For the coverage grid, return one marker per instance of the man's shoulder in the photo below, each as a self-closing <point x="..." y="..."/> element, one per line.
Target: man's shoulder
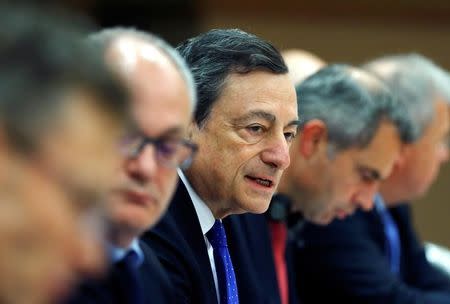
<point x="362" y="225"/>
<point x="179" y="245"/>
<point x="156" y="284"/>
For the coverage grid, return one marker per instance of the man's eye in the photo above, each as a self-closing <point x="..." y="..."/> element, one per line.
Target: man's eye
<point x="290" y="136"/>
<point x="167" y="148"/>
<point x="255" y="129"/>
<point x="367" y="177"/>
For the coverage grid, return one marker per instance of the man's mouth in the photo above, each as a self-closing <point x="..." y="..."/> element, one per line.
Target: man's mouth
<point x="138" y="198"/>
<point x="261" y="181"/>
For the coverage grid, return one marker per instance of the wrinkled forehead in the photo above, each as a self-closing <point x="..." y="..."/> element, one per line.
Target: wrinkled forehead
<point x="258" y="91"/>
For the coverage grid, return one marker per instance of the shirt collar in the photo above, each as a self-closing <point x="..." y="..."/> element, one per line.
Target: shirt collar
<point x="204" y="214"/>
<point x="118" y="253"/>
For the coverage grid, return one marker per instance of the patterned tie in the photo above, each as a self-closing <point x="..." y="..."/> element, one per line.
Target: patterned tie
<point x="279" y="238"/>
<point x="392" y="241"/>
<point x="129" y="278"/>
<point x="224" y="267"/>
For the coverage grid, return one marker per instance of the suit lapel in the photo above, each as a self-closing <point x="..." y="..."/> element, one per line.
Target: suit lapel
<point x="186" y="218"/>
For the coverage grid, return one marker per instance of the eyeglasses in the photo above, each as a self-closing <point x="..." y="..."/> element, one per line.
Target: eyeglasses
<point x="170" y="152"/>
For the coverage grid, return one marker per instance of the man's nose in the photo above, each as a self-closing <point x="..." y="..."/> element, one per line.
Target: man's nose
<point x="276" y="153"/>
<point x="144" y="166"/>
<point x="365" y="197"/>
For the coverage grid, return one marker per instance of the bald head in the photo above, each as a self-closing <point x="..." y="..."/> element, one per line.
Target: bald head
<point x="126" y="48"/>
<point x="301" y="64"/>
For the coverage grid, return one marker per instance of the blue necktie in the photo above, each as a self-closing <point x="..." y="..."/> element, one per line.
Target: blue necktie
<point x="224" y="266"/>
<point x="392" y="238"/>
<point x="129" y="278"/>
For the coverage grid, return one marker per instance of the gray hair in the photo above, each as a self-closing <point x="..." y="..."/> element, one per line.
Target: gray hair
<point x="416" y="82"/>
<point x="352" y="103"/>
<point x="218" y="53"/>
<point x="104" y="39"/>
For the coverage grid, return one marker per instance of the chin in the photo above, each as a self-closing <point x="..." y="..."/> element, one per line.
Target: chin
<point x="321" y="219"/>
<point x="257" y="207"/>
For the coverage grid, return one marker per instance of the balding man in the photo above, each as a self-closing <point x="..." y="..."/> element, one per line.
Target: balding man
<point x="162" y="102"/>
<point x="301" y="64"/>
<point x="376" y="256"/>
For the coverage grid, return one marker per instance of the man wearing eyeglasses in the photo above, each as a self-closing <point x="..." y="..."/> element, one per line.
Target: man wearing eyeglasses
<point x="162" y="102"/>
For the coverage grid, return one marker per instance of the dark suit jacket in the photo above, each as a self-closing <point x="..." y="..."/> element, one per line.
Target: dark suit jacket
<point x="155" y="284"/>
<point x="179" y="243"/>
<point x="249" y="242"/>
<point x="345" y="262"/>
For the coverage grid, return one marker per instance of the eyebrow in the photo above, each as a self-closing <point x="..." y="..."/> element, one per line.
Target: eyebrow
<point x="264" y="115"/>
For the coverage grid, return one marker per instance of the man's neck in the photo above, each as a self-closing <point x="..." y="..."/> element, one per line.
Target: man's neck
<point x="121" y="238"/>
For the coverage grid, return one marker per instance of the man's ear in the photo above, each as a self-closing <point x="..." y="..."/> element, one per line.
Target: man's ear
<point x="312" y="137"/>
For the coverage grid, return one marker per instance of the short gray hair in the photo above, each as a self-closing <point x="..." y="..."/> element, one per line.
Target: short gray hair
<point x="352" y="103"/>
<point x="104" y="39"/>
<point x="416" y="82"/>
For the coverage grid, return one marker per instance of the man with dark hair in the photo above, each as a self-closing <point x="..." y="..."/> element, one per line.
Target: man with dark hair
<point x="61" y="115"/>
<point x="162" y="102"/>
<point x="244" y="124"/>
<point x="376" y="257"/>
<point x="336" y="166"/>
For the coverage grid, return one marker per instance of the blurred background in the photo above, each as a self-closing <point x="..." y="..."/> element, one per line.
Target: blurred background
<point x="350" y="31"/>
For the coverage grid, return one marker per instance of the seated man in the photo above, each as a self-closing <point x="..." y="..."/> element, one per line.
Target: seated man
<point x="336" y="165"/>
<point x="61" y="114"/>
<point x="375" y="257"/>
<point x="162" y="102"/>
<point x="244" y="125"/>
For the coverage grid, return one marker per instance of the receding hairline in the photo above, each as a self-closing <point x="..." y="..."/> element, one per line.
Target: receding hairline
<point x="107" y="39"/>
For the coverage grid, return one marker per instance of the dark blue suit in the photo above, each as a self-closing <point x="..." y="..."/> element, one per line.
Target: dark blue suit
<point x="179" y="243"/>
<point x="249" y="241"/>
<point x="345" y="262"/>
<point x="153" y="279"/>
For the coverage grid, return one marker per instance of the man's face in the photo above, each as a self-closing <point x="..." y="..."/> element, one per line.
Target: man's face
<point x="243" y="144"/>
<point x="422" y="160"/>
<point x="162" y="110"/>
<point x="351" y="177"/>
<point x="57" y="193"/>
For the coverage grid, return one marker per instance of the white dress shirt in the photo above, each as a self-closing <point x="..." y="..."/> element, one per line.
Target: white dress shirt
<point x="206" y="219"/>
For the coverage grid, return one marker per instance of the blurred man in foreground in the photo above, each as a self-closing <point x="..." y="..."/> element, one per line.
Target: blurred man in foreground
<point x="61" y="115"/>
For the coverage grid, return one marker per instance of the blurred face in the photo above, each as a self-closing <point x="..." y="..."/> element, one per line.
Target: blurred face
<point x="349" y="179"/>
<point x="162" y="110"/>
<point x="54" y="199"/>
<point x="421" y="162"/>
<point x="243" y="145"/>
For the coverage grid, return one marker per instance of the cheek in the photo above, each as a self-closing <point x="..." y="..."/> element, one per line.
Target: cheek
<point x="345" y="191"/>
<point x="166" y="181"/>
